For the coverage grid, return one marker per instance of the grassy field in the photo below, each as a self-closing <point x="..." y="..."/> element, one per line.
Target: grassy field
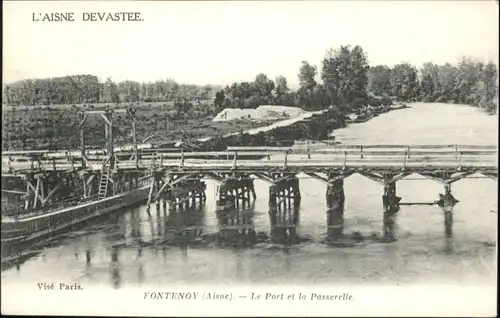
<point x="57" y="127"/>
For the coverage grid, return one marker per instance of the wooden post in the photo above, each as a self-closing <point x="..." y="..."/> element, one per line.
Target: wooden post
<point x="390" y="203"/>
<point x="26" y="197"/>
<point x="106" y="138"/>
<point x="296" y="193"/>
<point x="37" y="189"/>
<point x="151" y="193"/>
<point x="446" y="202"/>
<point x="335" y="199"/>
<point x="134" y="136"/>
<point x="252" y="190"/>
<point x="164" y="202"/>
<point x="82" y="142"/>
<point x="85" y="190"/>
<point x="111" y="145"/>
<point x="129" y="182"/>
<point x="158" y="187"/>
<point x="272" y="197"/>
<point x="42" y="188"/>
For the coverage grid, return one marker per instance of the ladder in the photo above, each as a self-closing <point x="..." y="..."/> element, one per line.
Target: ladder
<point x="152" y="163"/>
<point x="103" y="183"/>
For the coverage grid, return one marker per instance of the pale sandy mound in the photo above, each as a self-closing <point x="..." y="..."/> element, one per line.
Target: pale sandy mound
<point x="274" y="111"/>
<point x="262" y="112"/>
<point x="235" y="113"/>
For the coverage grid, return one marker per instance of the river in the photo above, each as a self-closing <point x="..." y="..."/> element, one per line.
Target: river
<point x="123" y="250"/>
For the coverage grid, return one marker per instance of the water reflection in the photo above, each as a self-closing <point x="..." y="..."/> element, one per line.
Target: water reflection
<point x="88" y="257"/>
<point x="449" y="247"/>
<point x="236" y="226"/>
<point x="284" y="224"/>
<point x="115" y="267"/>
<point x="183" y="226"/>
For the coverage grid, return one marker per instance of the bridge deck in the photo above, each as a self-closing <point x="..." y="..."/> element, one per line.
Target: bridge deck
<point x="367" y="157"/>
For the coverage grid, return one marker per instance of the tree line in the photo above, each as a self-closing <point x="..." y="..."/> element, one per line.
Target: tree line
<point x="345" y="79"/>
<point x="469" y="82"/>
<point x="87" y="89"/>
<point x="349" y="82"/>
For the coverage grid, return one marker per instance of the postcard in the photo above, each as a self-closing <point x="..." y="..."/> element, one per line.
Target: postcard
<point x="249" y="158"/>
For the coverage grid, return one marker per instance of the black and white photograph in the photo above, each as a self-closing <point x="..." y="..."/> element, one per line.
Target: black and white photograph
<point x="242" y="158"/>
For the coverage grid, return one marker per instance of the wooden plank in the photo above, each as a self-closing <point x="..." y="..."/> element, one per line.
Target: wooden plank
<point x="37" y="192"/>
<point x="114" y="110"/>
<point x="83" y="121"/>
<point x="14" y="192"/>
<point x="318" y="177"/>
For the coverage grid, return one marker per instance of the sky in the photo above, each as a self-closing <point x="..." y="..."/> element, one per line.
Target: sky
<point x="222" y="42"/>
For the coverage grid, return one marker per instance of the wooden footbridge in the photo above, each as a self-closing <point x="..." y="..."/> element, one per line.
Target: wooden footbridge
<point x="176" y="176"/>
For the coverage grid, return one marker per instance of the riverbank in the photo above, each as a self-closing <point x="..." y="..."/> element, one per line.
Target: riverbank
<point x="318" y="125"/>
<point x="55" y="129"/>
<point x="366" y="113"/>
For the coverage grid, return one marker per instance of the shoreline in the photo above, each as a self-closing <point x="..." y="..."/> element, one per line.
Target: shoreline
<point x="315" y="125"/>
<point x="318" y="125"/>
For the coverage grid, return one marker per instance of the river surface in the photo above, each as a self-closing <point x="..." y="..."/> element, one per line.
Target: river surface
<point x="134" y="248"/>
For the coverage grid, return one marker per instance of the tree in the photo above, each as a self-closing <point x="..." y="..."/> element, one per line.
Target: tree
<point x="206" y="91"/>
<point x="264" y="88"/>
<point x="429" y="82"/>
<point x="281" y="91"/>
<point x="404" y="81"/>
<point x="344" y="75"/>
<point x="379" y="80"/>
<point x="182" y="106"/>
<point x="219" y="99"/>
<point x="7" y="95"/>
<point x="110" y="91"/>
<point x="307" y="81"/>
<point x="468" y="75"/>
<point x="448" y="79"/>
<point x="490" y="79"/>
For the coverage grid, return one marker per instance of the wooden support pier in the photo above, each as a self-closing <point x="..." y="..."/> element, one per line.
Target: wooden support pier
<point x="284" y="192"/>
<point x="172" y="191"/>
<point x="447" y="202"/>
<point x="335" y="199"/>
<point x="235" y="189"/>
<point x="390" y="202"/>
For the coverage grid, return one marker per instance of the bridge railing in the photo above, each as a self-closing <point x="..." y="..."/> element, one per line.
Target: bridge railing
<point x="283" y="163"/>
<point x="352" y="154"/>
<point x="175" y="152"/>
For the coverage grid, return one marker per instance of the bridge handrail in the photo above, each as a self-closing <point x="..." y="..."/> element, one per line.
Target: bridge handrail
<point x="411" y="146"/>
<point x="374" y="153"/>
<point x="228" y="154"/>
<point x="282" y="164"/>
<point x="326" y="144"/>
<point x="253" y="148"/>
<point x="312" y="156"/>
